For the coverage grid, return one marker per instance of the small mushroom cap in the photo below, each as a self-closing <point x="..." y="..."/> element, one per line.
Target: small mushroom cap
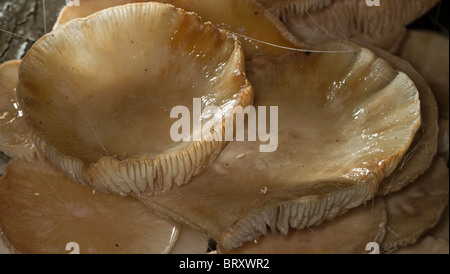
<point x="426" y="245"/>
<point x="382" y="26"/>
<point x="428" y="53"/>
<point x="106" y="118"/>
<point x="416" y="208"/>
<point x="347" y="234"/>
<point x="343" y="103"/>
<point x="42" y="210"/>
<point x="15" y="139"/>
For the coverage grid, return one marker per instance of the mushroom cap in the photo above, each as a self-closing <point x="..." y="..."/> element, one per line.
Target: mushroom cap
<point x="97" y="93"/>
<point x="382" y="26"/>
<point x="42" y="209"/>
<point x="246" y="18"/>
<point x="366" y="224"/>
<point x="345" y="120"/>
<point x="416" y="208"/>
<point x="422" y="151"/>
<point x="249" y="20"/>
<point x="15" y="139"/>
<point x="428" y="53"/>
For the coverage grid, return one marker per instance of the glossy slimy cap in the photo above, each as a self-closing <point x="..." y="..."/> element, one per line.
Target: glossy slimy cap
<point x="97" y="93"/>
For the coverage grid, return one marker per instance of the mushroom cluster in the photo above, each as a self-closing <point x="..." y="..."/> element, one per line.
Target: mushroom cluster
<point x="354" y="111"/>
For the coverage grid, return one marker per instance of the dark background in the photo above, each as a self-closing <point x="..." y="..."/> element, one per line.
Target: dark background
<point x="436" y="19"/>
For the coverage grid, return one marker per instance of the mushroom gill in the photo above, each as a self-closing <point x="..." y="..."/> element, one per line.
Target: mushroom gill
<point x="98" y="92"/>
<point x="342" y="128"/>
<point x="416" y="208"/>
<point x="383" y="26"/>
<point x="15" y="139"/>
<point x="42" y="210"/>
<point x="365" y="224"/>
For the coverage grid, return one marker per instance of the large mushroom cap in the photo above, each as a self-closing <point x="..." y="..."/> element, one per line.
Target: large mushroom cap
<point x="42" y="210"/>
<point x="98" y="94"/>
<point x="15" y="139"/>
<point x="345" y="120"/>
